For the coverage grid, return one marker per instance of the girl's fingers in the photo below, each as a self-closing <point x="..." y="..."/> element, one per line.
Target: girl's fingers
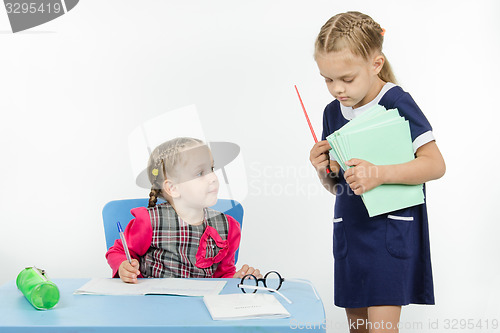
<point x="129" y="280"/>
<point x="135" y="266"/>
<point x="244" y="270"/>
<point x="357" y="188"/>
<point x="129" y="273"/>
<point x="320" y="148"/>
<point x="320" y="162"/>
<point x="128" y="277"/>
<point x="349" y="178"/>
<point x="255" y="272"/>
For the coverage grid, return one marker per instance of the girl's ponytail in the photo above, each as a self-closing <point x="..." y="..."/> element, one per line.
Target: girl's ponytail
<point x="386" y="74"/>
<point x="153" y="197"/>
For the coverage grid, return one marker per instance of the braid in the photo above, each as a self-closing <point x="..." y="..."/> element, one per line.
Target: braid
<point x="347" y="31"/>
<point x="365" y="24"/>
<point x="153" y="197"/>
<point x="358" y="33"/>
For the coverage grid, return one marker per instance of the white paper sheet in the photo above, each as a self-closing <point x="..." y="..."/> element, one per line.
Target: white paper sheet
<point x="244" y="306"/>
<point x="169" y="286"/>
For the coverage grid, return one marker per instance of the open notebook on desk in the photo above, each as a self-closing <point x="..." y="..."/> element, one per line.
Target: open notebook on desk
<point x="167" y="286"/>
<point x="381" y="137"/>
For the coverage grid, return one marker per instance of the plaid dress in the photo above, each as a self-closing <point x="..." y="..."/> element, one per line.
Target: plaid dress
<point x="181" y="250"/>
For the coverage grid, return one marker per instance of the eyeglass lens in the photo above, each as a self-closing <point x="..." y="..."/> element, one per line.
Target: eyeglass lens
<point x="272" y="280"/>
<point x="249" y="280"/>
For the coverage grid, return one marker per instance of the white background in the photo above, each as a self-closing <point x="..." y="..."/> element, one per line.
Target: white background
<point x="73" y="89"/>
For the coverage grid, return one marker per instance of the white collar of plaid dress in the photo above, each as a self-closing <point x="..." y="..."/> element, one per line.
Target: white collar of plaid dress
<point x="201" y="260"/>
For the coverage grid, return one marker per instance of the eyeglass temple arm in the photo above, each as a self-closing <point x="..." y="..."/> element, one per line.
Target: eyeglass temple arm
<point x="264" y="288"/>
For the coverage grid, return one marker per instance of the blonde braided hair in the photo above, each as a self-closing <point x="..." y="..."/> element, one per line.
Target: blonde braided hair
<point x="162" y="164"/>
<point x="357" y="32"/>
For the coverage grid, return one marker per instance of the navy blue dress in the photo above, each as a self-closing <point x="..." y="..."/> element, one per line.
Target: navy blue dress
<point x="385" y="259"/>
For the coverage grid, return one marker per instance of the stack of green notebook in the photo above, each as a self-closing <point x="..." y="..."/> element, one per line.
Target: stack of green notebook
<point x="381" y="137"/>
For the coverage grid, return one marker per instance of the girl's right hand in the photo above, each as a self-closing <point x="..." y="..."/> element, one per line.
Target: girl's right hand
<point x="319" y="156"/>
<point x="129" y="273"/>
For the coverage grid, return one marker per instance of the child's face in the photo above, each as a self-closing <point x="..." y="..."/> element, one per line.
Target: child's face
<point x="196" y="181"/>
<point x="350" y="78"/>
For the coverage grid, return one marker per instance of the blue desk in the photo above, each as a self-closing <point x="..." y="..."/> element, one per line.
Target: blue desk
<point x="88" y="313"/>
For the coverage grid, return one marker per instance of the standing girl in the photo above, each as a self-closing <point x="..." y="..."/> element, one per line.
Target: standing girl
<point x="382" y="262"/>
<point x="180" y="238"/>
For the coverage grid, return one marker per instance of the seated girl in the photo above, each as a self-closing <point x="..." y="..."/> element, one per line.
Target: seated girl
<point x="181" y="237"/>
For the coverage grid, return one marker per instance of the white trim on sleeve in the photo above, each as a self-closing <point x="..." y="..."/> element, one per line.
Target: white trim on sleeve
<point x="422" y="139"/>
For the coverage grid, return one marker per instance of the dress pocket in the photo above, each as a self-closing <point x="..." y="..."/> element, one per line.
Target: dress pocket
<point x="398" y="236"/>
<point x="339" y="240"/>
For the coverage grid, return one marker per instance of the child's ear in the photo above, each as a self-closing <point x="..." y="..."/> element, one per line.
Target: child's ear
<point x="170" y="189"/>
<point x="378" y="63"/>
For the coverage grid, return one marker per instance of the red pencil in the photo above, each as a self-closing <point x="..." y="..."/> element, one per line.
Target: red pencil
<point x="310" y="126"/>
<point x="307" y="117"/>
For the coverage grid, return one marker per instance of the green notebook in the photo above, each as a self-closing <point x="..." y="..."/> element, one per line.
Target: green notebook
<point x="382" y="138"/>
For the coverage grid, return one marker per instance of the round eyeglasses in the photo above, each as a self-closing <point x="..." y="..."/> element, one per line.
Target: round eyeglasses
<point x="272" y="280"/>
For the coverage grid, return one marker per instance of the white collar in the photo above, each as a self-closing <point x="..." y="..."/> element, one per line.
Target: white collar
<point x="349" y="113"/>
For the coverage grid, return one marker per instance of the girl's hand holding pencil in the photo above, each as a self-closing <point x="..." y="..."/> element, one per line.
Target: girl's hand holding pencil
<point x="319" y="157"/>
<point x="327" y="170"/>
<point x="129" y="272"/>
<point x="327" y="167"/>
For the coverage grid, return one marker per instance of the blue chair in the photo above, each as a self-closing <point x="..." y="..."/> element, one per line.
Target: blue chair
<point x="119" y="210"/>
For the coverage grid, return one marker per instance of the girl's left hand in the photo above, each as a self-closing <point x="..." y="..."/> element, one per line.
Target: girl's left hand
<point x="245" y="270"/>
<point x="363" y="176"/>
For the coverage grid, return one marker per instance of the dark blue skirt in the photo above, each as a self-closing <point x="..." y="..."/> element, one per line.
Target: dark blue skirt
<point x="380" y="260"/>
